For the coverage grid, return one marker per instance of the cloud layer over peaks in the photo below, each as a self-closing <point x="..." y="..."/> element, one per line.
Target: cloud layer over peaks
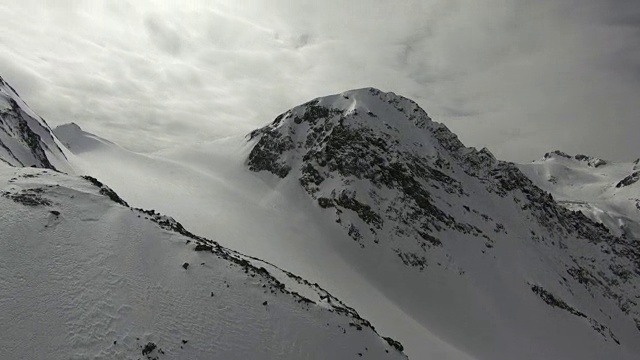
<point x="520" y="77"/>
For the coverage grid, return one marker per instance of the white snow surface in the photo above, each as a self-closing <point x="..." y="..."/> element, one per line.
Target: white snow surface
<point x="595" y="191"/>
<point x="84" y="277"/>
<point x="473" y="301"/>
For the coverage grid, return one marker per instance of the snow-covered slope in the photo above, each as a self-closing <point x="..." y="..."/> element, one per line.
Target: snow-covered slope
<point x="452" y="252"/>
<point x="82" y="275"/>
<point x="25" y="138"/>
<point x="605" y="191"/>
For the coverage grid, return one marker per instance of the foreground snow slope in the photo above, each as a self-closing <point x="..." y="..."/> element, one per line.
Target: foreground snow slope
<point x="454" y="253"/>
<point x="605" y="191"/>
<point x="82" y="275"/>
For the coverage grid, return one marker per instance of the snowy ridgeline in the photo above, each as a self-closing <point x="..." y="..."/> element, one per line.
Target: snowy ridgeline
<point x="82" y="275"/>
<point x="456" y="254"/>
<point x="25" y="138"/>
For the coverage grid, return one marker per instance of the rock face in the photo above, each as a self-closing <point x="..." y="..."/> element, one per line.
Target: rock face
<point x="357" y="150"/>
<point x="25" y="138"/>
<point x="406" y="190"/>
<point x="629" y="180"/>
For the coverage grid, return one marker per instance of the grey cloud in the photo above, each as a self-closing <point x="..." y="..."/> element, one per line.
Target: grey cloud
<point x="520" y="77"/>
<point x="165" y="38"/>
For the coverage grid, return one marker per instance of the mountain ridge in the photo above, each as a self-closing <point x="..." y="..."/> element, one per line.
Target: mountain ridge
<point x="468" y="247"/>
<point x="25" y="138"/>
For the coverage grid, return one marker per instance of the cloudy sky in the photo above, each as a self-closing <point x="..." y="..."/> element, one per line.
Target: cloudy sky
<point x="520" y="77"/>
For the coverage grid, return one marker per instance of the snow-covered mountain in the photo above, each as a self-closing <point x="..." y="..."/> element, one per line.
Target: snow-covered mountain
<point x="84" y="275"/>
<point x="454" y="253"/>
<point x="605" y="191"/>
<point x="408" y="192"/>
<point x="25" y="138"/>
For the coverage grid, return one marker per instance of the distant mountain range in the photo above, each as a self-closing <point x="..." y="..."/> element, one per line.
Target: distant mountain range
<point x="452" y="252"/>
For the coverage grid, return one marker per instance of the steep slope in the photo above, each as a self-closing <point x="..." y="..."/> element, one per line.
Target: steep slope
<point x="82" y="275"/>
<point x="484" y="250"/>
<point x="25" y="138"/>
<point x="452" y="252"/>
<point x="604" y="191"/>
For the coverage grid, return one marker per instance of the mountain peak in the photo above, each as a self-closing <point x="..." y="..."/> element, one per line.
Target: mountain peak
<point x="590" y="161"/>
<point x="366" y="105"/>
<point x="337" y="130"/>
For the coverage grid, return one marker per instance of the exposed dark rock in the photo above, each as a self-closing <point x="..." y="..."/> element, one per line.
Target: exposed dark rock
<point x="629" y="180"/>
<point x="554" y="301"/>
<point x="28" y="197"/>
<point x="148" y="348"/>
<point x="27" y="132"/>
<point x="203" y="247"/>
<point x="591" y="161"/>
<point x="106" y="191"/>
<point x="557" y="153"/>
<point x="394" y="343"/>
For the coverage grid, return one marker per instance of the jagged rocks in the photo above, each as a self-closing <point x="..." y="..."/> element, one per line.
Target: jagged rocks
<point x="395" y="344"/>
<point x="629" y="180"/>
<point x="557" y="153"/>
<point x="106" y="191"/>
<point x="591" y="161"/>
<point x="25" y="138"/>
<point x="554" y="301"/>
<point x="265" y="155"/>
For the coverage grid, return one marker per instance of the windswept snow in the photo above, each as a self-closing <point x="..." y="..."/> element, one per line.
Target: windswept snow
<point x="82" y="276"/>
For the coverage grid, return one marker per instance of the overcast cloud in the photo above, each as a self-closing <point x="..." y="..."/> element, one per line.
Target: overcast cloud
<point x="520" y="77"/>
